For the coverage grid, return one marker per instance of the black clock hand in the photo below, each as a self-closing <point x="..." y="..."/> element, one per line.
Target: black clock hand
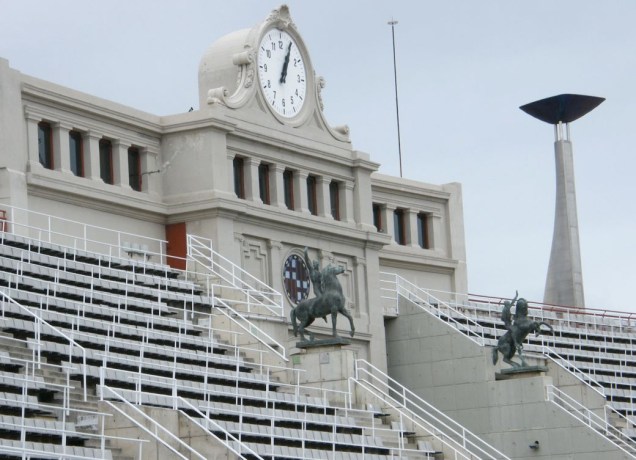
<point x="283" y="75"/>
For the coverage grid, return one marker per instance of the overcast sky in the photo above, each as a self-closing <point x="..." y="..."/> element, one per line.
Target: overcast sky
<point x="464" y="68"/>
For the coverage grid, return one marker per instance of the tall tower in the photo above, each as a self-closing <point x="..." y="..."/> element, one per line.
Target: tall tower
<point x="564" y="283"/>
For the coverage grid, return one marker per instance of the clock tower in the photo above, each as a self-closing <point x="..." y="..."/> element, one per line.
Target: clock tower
<point x="265" y="73"/>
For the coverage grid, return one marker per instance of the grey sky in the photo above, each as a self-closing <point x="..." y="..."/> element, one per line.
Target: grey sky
<point x="464" y="68"/>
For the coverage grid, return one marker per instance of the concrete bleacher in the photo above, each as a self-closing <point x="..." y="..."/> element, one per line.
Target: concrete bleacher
<point x="117" y="323"/>
<point x="598" y="344"/>
<point x="596" y="349"/>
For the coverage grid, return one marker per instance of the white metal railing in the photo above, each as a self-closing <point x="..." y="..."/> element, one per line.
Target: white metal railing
<point x="78" y="235"/>
<point x="273" y="392"/>
<point x="613" y="327"/>
<point x="157" y="432"/>
<point x="61" y="426"/>
<point x="39" y="325"/>
<point x="205" y="426"/>
<point x="258" y="294"/>
<point x="233" y="433"/>
<point x="123" y="304"/>
<point x="578" y="321"/>
<point x="248" y="326"/>
<point x="591" y="419"/>
<point x="73" y="236"/>
<point x="463" y="442"/>
<point x="394" y="286"/>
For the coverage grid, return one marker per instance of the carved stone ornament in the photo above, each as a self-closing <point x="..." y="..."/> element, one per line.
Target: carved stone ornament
<point x="217" y="95"/>
<point x="342" y="129"/>
<point x="245" y="61"/>
<point x="320" y="84"/>
<point x="281" y="17"/>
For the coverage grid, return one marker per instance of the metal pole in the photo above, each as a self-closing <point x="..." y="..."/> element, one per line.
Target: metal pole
<point x="392" y="23"/>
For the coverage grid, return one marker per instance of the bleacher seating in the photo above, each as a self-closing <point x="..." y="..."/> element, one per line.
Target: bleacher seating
<point x="601" y="345"/>
<point x="111" y="322"/>
<point x="597" y="347"/>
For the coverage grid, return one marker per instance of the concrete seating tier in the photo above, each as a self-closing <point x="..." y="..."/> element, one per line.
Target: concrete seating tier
<point x="28" y="419"/>
<point x="78" y="255"/>
<point x="262" y="427"/>
<point x="119" y="313"/>
<point x="602" y="347"/>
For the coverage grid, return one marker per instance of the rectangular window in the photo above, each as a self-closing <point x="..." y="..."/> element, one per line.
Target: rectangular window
<point x="77" y="153"/>
<point x="334" y="198"/>
<point x="377" y="217"/>
<point x="45" y="145"/>
<point x="288" y="185"/>
<point x="263" y="182"/>
<point x="134" y="168"/>
<point x="106" y="161"/>
<point x="312" y="201"/>
<point x="239" y="177"/>
<point x="423" y="230"/>
<point x="398" y="226"/>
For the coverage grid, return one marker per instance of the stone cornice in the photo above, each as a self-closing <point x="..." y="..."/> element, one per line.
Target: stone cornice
<point x="129" y="204"/>
<point x="290" y="140"/>
<point x="393" y="185"/>
<point x="410" y="261"/>
<point x="41" y="91"/>
<point x="196" y="120"/>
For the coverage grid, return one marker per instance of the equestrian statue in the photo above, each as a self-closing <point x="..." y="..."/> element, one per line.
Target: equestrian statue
<point x="329" y="299"/>
<point x="518" y="327"/>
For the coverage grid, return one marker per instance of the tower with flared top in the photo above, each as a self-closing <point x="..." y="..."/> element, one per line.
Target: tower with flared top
<point x="564" y="282"/>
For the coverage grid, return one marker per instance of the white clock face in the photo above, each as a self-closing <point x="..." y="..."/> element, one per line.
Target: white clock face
<point x="281" y="70"/>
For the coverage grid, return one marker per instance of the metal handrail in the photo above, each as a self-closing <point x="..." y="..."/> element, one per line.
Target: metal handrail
<point x="588" y="417"/>
<point x="403" y="400"/>
<point x="139" y="379"/>
<point x="435" y="307"/>
<point x="149" y="419"/>
<point x="568" y="366"/>
<point x="208" y="420"/>
<point x="573" y="316"/>
<point x="39" y="322"/>
<point x="84" y="230"/>
<point x="252" y="329"/>
<point x="200" y="250"/>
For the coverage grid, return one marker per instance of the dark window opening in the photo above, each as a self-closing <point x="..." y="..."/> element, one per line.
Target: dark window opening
<point x="312" y="201"/>
<point x="106" y="161"/>
<point x="377" y="216"/>
<point x="239" y="177"/>
<point x="334" y="198"/>
<point x="263" y="182"/>
<point x="134" y="168"/>
<point x="423" y="230"/>
<point x="288" y="186"/>
<point x="77" y="153"/>
<point x="398" y="226"/>
<point x="45" y="145"/>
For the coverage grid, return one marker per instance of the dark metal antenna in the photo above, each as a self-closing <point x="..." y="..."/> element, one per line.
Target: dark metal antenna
<point x="392" y="23"/>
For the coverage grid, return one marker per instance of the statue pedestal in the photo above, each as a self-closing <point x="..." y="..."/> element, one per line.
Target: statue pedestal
<point x="327" y="364"/>
<point x="520" y="372"/>
<point x="334" y="341"/>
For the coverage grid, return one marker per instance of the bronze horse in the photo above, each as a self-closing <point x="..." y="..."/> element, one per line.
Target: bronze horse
<point x="512" y="341"/>
<point x="330" y="301"/>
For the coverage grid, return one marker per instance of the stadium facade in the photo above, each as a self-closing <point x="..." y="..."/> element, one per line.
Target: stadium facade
<point x="244" y="183"/>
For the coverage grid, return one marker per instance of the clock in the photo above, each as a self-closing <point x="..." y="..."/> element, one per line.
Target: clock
<point x="282" y="74"/>
<point x="296" y="278"/>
